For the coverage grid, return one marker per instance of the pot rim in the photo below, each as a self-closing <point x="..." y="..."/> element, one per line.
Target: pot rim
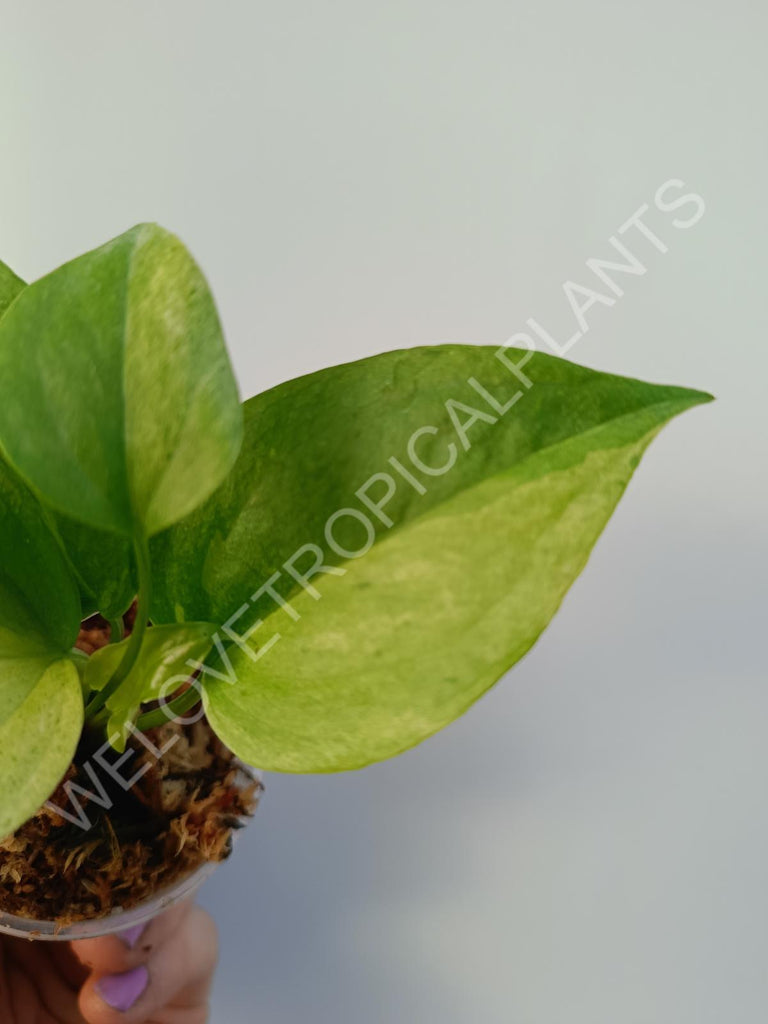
<point x="117" y="921"/>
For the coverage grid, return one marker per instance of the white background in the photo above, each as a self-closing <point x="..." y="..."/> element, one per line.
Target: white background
<point x="589" y="845"/>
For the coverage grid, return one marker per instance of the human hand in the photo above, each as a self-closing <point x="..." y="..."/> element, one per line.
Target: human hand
<point x="162" y="975"/>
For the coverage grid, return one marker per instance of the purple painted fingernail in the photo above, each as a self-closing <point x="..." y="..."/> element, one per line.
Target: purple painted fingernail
<point x="131" y="935"/>
<point x="121" y="991"/>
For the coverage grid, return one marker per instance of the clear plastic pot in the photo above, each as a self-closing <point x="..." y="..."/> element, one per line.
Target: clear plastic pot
<point x="119" y="920"/>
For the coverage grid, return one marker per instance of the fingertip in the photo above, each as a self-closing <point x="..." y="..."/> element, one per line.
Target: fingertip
<point x="122" y="991"/>
<point x="204" y="933"/>
<point x="152" y="975"/>
<point x="111" y="998"/>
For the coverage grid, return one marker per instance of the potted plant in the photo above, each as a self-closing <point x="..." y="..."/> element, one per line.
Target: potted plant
<point x="311" y="581"/>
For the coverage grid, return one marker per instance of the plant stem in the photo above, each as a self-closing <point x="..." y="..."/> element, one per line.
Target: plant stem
<point x="173" y="709"/>
<point x="176" y="706"/>
<point x="133" y="647"/>
<point x="116" y="631"/>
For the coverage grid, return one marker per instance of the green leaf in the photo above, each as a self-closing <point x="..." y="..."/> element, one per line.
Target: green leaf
<point x="161" y="663"/>
<point x="104" y="565"/>
<point x="38" y="738"/>
<point x="18" y="678"/>
<point x="452" y="593"/>
<point x="41" y="700"/>
<point x="117" y="400"/>
<point x="10" y="286"/>
<point x="39" y="600"/>
<point x="102" y="562"/>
